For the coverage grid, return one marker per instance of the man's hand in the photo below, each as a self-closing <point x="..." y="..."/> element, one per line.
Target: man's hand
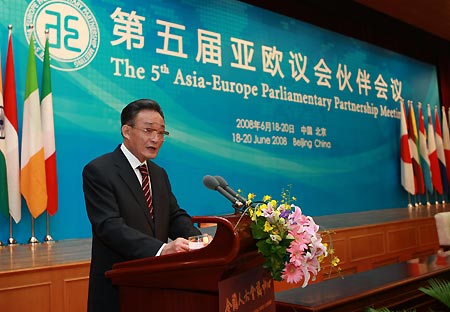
<point x="178" y="245"/>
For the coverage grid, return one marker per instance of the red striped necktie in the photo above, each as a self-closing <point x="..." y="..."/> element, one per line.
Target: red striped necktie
<point x="146" y="187"/>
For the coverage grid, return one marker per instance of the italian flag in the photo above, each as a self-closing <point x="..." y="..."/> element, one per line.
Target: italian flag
<point x="48" y="133"/>
<point x="32" y="170"/>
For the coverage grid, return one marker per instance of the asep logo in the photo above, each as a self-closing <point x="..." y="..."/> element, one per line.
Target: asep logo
<point x="74" y="36"/>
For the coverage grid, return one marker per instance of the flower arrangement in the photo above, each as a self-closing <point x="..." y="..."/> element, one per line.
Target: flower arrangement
<point x="288" y="240"/>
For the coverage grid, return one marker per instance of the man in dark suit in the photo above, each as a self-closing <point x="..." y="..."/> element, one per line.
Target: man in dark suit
<point x="125" y="223"/>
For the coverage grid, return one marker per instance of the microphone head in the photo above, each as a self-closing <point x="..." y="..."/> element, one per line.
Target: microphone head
<point x="210" y="182"/>
<point x="221" y="181"/>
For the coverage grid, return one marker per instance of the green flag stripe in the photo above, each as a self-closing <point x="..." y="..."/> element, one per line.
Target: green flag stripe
<point x="3" y="186"/>
<point x="31" y="84"/>
<point x="46" y="79"/>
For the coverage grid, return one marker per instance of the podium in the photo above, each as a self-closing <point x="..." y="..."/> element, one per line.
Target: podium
<point x="189" y="281"/>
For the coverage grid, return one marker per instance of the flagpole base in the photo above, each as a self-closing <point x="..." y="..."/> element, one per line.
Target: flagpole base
<point x="33" y="240"/>
<point x="12" y="241"/>
<point x="48" y="239"/>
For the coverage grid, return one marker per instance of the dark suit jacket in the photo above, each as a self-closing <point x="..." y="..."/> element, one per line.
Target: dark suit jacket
<point x="122" y="228"/>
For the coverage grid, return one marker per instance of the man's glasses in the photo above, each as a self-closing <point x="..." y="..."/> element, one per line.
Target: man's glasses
<point x="150" y="132"/>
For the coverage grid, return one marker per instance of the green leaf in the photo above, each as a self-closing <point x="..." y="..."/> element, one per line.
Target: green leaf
<point x="439" y="290"/>
<point x="286" y="242"/>
<point x="263" y="248"/>
<point x="258" y="232"/>
<point x="280" y="251"/>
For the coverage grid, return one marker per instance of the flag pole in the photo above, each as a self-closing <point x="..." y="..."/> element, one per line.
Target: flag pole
<point x="33" y="239"/>
<point x="48" y="238"/>
<point x="33" y="184"/>
<point x="11" y="240"/>
<point x="47" y="120"/>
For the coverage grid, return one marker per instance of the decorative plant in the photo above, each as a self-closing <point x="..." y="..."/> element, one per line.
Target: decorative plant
<point x="289" y="240"/>
<point x="439" y="290"/>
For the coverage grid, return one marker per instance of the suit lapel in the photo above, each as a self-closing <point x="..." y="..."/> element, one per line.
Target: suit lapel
<point x="132" y="183"/>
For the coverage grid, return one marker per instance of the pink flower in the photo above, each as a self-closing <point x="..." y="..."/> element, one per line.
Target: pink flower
<point x="296" y="217"/>
<point x="268" y="212"/>
<point x="316" y="246"/>
<point x="311" y="227"/>
<point x="306" y="269"/>
<point x="305" y="250"/>
<point x="292" y="274"/>
<point x="297" y="251"/>
<point x="296" y="214"/>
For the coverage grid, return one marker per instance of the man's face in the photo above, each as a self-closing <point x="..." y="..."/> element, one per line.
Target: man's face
<point x="145" y="137"/>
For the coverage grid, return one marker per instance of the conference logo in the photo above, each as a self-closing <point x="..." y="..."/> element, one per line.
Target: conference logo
<point x="73" y="32"/>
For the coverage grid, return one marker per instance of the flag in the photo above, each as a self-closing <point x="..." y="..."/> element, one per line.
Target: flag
<point x="413" y="145"/>
<point x="407" y="174"/>
<point x="440" y="151"/>
<point x="446" y="141"/>
<point x="423" y="147"/>
<point x="432" y="154"/>
<point x="3" y="177"/>
<point x="48" y="134"/>
<point x="32" y="171"/>
<point x="12" y="136"/>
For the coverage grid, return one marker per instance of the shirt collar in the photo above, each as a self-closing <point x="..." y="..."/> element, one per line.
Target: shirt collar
<point x="134" y="162"/>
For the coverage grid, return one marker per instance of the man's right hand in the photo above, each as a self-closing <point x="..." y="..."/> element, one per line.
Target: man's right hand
<point x="178" y="245"/>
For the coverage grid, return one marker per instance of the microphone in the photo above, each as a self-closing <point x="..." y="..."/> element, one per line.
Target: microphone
<point x="223" y="183"/>
<point x="212" y="183"/>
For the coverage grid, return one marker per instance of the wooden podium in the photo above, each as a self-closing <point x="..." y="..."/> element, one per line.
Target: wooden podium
<point x="188" y="281"/>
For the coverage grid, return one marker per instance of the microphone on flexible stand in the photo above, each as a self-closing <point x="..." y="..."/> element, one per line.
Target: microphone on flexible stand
<point x="223" y="183"/>
<point x="213" y="184"/>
